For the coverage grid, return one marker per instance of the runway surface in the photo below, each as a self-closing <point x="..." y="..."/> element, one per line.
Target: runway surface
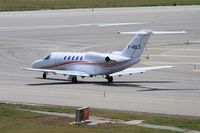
<point x="29" y="35"/>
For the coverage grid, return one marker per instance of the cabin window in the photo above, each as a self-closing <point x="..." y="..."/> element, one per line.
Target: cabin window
<point x="73" y="57"/>
<point x="77" y="57"/>
<point x="81" y="58"/>
<point x="69" y="57"/>
<point x="65" y="57"/>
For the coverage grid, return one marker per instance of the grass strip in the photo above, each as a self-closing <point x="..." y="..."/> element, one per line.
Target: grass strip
<point x="187" y="122"/>
<point x="14" y="5"/>
<point x="14" y="120"/>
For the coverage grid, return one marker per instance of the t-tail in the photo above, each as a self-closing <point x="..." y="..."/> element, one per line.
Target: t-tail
<point x="136" y="46"/>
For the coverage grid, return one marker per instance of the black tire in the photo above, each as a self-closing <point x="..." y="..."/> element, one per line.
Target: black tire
<point x="44" y="76"/>
<point x="74" y="79"/>
<point x="110" y="79"/>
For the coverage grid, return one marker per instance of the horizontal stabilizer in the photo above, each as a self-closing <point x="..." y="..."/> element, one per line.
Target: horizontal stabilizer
<point x="153" y="32"/>
<point x="169" y="32"/>
<point x="132" y="33"/>
<point x="112" y="24"/>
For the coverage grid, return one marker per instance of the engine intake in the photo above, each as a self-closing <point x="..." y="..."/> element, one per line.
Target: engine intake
<point x="107" y="59"/>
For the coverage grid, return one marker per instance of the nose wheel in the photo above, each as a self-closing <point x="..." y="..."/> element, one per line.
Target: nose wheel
<point x="110" y="79"/>
<point x="44" y="76"/>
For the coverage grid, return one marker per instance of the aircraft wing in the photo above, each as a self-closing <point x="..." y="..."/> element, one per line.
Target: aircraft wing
<point x="130" y="71"/>
<point x="64" y="72"/>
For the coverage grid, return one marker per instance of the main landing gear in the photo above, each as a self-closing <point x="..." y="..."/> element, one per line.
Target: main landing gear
<point x="74" y="79"/>
<point x="109" y="78"/>
<point x="44" y="76"/>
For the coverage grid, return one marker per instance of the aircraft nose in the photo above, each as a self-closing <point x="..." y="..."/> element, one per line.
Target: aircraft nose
<point x="36" y="64"/>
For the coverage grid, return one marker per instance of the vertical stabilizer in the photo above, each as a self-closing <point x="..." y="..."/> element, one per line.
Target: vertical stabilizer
<point x="135" y="47"/>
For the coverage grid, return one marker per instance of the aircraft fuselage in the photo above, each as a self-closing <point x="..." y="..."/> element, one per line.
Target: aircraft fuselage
<point x="90" y="62"/>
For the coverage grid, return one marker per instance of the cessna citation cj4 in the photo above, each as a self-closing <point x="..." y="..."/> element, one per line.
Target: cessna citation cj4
<point x="90" y="64"/>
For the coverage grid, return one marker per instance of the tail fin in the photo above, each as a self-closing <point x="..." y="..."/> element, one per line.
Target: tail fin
<point x="136" y="46"/>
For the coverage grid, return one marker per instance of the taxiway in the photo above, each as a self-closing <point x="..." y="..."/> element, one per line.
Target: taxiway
<point x="29" y="35"/>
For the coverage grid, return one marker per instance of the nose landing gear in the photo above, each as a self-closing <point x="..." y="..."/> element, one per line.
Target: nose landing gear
<point x="44" y="76"/>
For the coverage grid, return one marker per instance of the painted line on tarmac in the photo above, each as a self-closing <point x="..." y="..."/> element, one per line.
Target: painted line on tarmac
<point x="150" y="48"/>
<point x="186" y="43"/>
<point x="179" y="56"/>
<point x="69" y="26"/>
<point x="172" y="63"/>
<point x="174" y="49"/>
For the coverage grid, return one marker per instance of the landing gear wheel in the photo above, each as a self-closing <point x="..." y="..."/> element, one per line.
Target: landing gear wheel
<point x="44" y="75"/>
<point x="74" y="79"/>
<point x="110" y="79"/>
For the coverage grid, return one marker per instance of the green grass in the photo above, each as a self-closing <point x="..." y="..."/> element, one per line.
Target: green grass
<point x="13" y="5"/>
<point x="171" y="120"/>
<point x="13" y="120"/>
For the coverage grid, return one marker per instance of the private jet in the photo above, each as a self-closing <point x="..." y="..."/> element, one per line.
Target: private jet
<point x="90" y="64"/>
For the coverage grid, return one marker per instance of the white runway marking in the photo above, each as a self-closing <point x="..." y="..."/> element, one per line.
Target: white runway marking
<point x="175" y="56"/>
<point x="69" y="26"/>
<point x="171" y="63"/>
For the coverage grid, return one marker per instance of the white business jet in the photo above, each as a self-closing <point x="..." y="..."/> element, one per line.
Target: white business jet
<point x="89" y="64"/>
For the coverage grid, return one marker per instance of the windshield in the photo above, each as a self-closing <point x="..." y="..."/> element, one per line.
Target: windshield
<point x="47" y="57"/>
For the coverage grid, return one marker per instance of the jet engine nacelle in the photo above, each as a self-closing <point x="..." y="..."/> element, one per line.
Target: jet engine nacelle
<point x="96" y="57"/>
<point x="107" y="59"/>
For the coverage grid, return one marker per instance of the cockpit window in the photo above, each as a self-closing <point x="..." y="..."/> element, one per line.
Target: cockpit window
<point x="47" y="57"/>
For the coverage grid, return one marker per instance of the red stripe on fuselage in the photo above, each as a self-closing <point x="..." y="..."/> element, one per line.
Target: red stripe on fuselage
<point x="88" y="63"/>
